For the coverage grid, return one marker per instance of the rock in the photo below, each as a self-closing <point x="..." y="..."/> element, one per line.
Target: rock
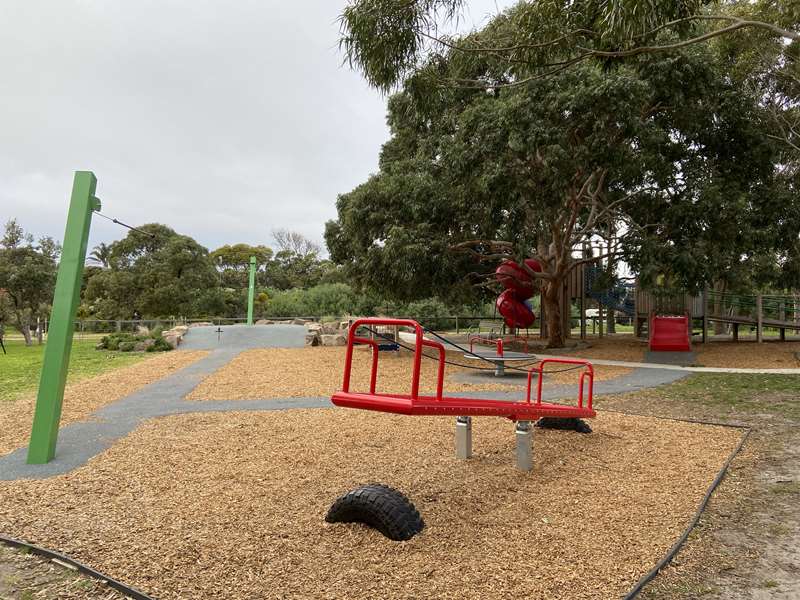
<point x="314" y="327"/>
<point x="173" y="339"/>
<point x="143" y="345"/>
<point x="333" y="340"/>
<point x="299" y="321"/>
<point x="345" y="325"/>
<point x="265" y="322"/>
<point x="142" y="330"/>
<point x="201" y="324"/>
<point x="313" y="339"/>
<point x="100" y="346"/>
<point x="175" y="335"/>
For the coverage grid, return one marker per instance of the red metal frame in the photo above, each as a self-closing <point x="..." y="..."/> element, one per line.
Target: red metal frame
<point x="414" y="404"/>
<point x="588" y="370"/>
<point x="498" y="341"/>
<point x="487" y="341"/>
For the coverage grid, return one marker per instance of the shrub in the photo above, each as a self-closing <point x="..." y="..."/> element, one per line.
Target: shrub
<point x="126" y="346"/>
<point x="161" y="345"/>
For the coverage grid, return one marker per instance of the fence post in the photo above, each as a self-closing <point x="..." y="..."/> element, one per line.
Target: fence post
<point x="705" y="313"/>
<point x="759" y="319"/>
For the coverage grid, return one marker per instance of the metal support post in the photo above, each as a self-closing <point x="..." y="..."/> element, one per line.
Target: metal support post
<point x="524" y="435"/>
<point x="251" y="290"/>
<point x="44" y="432"/>
<point x="463" y="438"/>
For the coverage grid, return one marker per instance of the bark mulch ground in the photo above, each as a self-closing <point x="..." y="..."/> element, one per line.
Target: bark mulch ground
<point x="749" y="354"/>
<point x="231" y="505"/>
<point x="85" y="397"/>
<point x="301" y="372"/>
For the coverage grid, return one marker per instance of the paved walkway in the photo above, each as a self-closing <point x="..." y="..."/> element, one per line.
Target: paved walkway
<point x="79" y="442"/>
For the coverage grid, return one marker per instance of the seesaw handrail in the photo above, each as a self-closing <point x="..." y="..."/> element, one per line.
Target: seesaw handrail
<point x="588" y="370"/>
<point x="420" y="341"/>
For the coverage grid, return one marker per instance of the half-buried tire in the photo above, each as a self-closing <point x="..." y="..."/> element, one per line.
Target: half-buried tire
<point x="578" y="425"/>
<point x="380" y="507"/>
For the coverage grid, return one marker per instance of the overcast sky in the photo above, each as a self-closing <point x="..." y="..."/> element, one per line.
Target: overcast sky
<point x="222" y="119"/>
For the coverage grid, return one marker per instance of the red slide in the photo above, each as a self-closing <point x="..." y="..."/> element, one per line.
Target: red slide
<point x="670" y="334"/>
<point x="519" y="287"/>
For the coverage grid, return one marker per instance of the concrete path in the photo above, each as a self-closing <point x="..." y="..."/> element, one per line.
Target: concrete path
<point x="79" y="442"/>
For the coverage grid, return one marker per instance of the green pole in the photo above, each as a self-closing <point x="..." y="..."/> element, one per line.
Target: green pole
<point x="251" y="292"/>
<point x="44" y="434"/>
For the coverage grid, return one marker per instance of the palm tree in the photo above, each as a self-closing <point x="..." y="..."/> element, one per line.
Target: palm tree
<point x="101" y="254"/>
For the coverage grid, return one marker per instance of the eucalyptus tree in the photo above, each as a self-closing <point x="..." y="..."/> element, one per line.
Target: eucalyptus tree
<point x="661" y="154"/>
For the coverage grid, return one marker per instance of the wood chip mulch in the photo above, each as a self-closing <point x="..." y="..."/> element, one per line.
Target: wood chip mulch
<point x="83" y="398"/>
<point x="301" y="372"/>
<point x="749" y="354"/>
<point x="231" y="505"/>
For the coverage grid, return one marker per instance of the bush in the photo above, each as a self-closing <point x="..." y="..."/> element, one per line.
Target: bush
<point x="127" y="342"/>
<point x="161" y="345"/>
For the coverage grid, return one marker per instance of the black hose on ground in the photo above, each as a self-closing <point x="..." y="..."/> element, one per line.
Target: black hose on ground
<point x="78" y="566"/>
<point x="673" y="551"/>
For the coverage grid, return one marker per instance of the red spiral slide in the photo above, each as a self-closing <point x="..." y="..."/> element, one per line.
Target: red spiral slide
<point x="519" y="287"/>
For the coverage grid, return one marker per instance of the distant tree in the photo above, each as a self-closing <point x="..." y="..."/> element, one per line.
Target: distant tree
<point x="27" y="274"/>
<point x="101" y="254"/>
<point x="233" y="262"/>
<point x="166" y="274"/>
<point x="295" y="243"/>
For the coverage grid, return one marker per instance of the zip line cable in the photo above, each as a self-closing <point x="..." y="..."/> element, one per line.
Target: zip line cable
<point x="455" y="364"/>
<point x="117" y="222"/>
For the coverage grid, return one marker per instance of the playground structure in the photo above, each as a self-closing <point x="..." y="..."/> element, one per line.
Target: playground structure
<point x="725" y="312"/>
<point x="415" y="404"/>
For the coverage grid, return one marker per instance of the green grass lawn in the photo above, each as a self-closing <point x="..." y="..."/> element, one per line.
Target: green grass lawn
<point x="21" y="367"/>
<point x="726" y="393"/>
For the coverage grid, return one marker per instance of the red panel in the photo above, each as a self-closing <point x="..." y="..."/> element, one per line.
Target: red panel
<point x="669" y="334"/>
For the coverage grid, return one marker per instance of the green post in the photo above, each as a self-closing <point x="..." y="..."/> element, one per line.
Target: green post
<point x="251" y="292"/>
<point x="44" y="434"/>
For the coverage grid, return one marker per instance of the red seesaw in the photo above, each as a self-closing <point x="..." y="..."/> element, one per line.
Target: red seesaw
<point x="417" y="404"/>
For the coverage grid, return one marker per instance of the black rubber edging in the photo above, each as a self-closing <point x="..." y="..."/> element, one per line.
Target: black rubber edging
<point x="649" y="576"/>
<point x="80" y="567"/>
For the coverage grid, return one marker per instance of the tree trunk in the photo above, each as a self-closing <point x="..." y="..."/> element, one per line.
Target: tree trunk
<point x="611" y="324"/>
<point x="552" y="308"/>
<point x="24" y="327"/>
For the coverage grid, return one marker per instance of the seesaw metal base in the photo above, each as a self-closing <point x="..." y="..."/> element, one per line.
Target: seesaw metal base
<point x="523" y="434"/>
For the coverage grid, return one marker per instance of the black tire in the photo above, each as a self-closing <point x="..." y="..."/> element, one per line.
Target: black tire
<point x="380" y="507"/>
<point x="578" y="425"/>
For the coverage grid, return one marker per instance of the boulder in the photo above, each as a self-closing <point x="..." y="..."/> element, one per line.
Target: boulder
<point x="299" y="322"/>
<point x="313" y="339"/>
<point x="333" y="340"/>
<point x="265" y="322"/>
<point x="344" y="325"/>
<point x="143" y="345"/>
<point x="172" y="338"/>
<point x="201" y="324"/>
<point x="314" y="327"/>
<point x="142" y="330"/>
<point x="175" y="335"/>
